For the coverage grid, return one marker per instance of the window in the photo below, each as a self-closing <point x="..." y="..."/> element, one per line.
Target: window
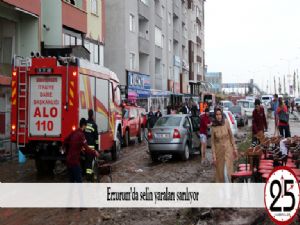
<point x="131" y="23"/>
<point x="66" y="39"/>
<point x="158" y="37"/>
<point x="131" y="61"/>
<point x="197" y="11"/>
<point x="170" y="45"/>
<point x="162" y="11"/>
<point x="94" y="7"/>
<point x="96" y="53"/>
<point x="169" y="18"/>
<point x="162" y="40"/>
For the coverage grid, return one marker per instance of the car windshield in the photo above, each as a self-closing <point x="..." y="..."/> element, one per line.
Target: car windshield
<point x="266" y="98"/>
<point x="168" y="122"/>
<point x="235" y="109"/>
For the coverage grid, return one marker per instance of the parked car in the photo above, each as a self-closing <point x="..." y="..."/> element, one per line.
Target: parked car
<point x="247" y="105"/>
<point x="240" y="115"/>
<point x="266" y="100"/>
<point x="133" y="123"/>
<point x="226" y="104"/>
<point x="174" y="134"/>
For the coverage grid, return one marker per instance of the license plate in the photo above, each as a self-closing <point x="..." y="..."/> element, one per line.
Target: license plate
<point x="163" y="136"/>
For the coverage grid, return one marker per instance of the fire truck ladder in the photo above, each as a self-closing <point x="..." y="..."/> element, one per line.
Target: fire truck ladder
<point x="22" y="101"/>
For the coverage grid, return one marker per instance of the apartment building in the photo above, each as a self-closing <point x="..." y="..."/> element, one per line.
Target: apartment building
<point x="150" y="40"/>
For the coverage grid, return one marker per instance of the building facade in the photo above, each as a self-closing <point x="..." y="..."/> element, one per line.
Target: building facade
<point x="158" y="40"/>
<point x="215" y="78"/>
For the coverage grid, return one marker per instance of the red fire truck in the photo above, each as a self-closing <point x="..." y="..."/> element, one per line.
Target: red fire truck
<point x="50" y="95"/>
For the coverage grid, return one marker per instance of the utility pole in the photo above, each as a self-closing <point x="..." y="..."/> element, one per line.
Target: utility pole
<point x="279" y="86"/>
<point x="274" y="85"/>
<point x="284" y="86"/>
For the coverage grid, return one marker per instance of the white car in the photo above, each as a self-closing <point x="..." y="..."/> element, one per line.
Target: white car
<point x="231" y="119"/>
<point x="226" y="105"/>
<point x="247" y="105"/>
<point x="297" y="101"/>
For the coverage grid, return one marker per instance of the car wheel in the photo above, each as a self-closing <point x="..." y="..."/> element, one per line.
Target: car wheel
<point x="141" y="135"/>
<point x="185" y="155"/>
<point x="126" y="139"/>
<point x="154" y="157"/>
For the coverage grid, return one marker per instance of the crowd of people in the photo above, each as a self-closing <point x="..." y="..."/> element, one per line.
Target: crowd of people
<point x="224" y="149"/>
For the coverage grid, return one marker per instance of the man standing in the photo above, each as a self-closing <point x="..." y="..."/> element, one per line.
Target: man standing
<point x="91" y="135"/>
<point x="204" y="124"/>
<point x="74" y="144"/>
<point x="259" y="122"/>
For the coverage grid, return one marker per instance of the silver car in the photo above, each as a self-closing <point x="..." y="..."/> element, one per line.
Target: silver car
<point x="174" y="134"/>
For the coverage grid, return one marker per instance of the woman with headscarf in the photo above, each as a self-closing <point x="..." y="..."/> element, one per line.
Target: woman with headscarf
<point x="223" y="147"/>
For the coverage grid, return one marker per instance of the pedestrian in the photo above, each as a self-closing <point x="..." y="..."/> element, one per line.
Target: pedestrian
<point x="185" y="109"/>
<point x="224" y="150"/>
<point x="283" y="119"/>
<point x="204" y="124"/>
<point x="275" y="105"/>
<point x="292" y="105"/>
<point x="194" y="109"/>
<point x="74" y="143"/>
<point x="158" y="113"/>
<point x="259" y="122"/>
<point x="151" y="119"/>
<point x="91" y="135"/>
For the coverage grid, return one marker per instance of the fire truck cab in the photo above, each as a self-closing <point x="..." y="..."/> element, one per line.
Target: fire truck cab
<point x="51" y="94"/>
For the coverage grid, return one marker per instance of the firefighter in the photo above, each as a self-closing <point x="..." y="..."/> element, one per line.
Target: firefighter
<point x="91" y="135"/>
<point x="74" y="144"/>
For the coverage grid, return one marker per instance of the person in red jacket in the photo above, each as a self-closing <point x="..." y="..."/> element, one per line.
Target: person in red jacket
<point x="204" y="124"/>
<point x="259" y="122"/>
<point x="74" y="144"/>
<point x="283" y="119"/>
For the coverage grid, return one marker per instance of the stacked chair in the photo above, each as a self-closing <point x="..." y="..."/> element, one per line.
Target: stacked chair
<point x="261" y="159"/>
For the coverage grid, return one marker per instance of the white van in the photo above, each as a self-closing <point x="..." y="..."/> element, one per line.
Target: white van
<point x="247" y="105"/>
<point x="266" y="100"/>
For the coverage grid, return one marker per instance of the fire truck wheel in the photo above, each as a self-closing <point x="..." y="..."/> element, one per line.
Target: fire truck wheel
<point x="115" y="152"/>
<point x="126" y="139"/>
<point x="141" y="135"/>
<point x="44" y="167"/>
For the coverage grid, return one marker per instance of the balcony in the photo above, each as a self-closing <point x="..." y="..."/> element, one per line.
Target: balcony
<point x="199" y="77"/>
<point x="71" y="15"/>
<point x="176" y="35"/>
<point x="158" y="21"/>
<point x="199" y="59"/>
<point x="158" y="52"/>
<point x="176" y="10"/>
<point x="143" y="9"/>
<point x="144" y="44"/>
<point x="199" y="41"/>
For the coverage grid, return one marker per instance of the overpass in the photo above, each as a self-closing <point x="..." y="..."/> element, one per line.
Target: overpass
<point x="251" y="86"/>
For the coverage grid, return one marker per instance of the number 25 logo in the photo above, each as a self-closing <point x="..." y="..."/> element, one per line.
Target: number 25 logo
<point x="282" y="195"/>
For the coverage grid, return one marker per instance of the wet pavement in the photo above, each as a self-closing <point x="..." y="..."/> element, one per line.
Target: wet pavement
<point x="134" y="166"/>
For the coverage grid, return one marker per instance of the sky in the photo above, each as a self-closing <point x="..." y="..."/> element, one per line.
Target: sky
<point x="256" y="39"/>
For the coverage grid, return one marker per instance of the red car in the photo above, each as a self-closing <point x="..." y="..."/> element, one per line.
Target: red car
<point x="133" y="123"/>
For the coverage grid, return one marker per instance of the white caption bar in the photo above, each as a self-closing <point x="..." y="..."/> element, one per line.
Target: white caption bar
<point x="132" y="195"/>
